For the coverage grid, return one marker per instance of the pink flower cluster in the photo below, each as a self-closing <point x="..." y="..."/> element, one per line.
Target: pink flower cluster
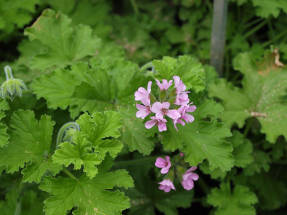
<point x="176" y="108"/>
<point x="167" y="185"/>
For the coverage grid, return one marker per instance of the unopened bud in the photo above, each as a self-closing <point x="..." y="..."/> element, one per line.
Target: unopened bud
<point x="11" y="87"/>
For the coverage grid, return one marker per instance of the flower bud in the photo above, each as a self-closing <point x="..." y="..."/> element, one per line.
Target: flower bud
<point x="11" y="87"/>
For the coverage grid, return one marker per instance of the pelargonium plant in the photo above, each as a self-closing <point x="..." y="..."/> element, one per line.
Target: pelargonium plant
<point x="170" y="100"/>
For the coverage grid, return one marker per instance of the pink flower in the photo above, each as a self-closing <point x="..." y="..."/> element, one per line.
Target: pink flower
<point x="180" y="87"/>
<point x="181" y="154"/>
<point x="161" y="109"/>
<point x="166" y="185"/>
<point x="188" y="177"/>
<point x="182" y="98"/>
<point x="181" y="94"/>
<point x="164" y="164"/>
<point x="143" y="95"/>
<point x="184" y="110"/>
<point x="164" y="85"/>
<point x="143" y="111"/>
<point x="161" y="123"/>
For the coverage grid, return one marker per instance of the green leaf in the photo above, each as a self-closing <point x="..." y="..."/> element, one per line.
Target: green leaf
<point x="57" y="87"/>
<point x="189" y="69"/>
<point x="265" y="8"/>
<point x="169" y="204"/>
<point x="78" y="156"/>
<point x="264" y="86"/>
<point x="242" y="150"/>
<point x="134" y="132"/>
<point x="261" y="161"/>
<point x="30" y="142"/>
<point x="3" y="107"/>
<point x="234" y="101"/>
<point x="242" y="155"/>
<point x="202" y="139"/>
<point x="64" y="43"/>
<point x="15" y="14"/>
<point x="35" y="171"/>
<point x="104" y="83"/>
<point x="19" y="202"/>
<point x="90" y="145"/>
<point x="4" y="138"/>
<point x="227" y="201"/>
<point x="270" y="188"/>
<point x="88" y="196"/>
<point x="100" y="125"/>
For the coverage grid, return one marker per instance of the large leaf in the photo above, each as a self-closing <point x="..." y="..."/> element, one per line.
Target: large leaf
<point x="202" y="139"/>
<point x="189" y="69"/>
<point x="88" y="196"/>
<point x="264" y="86"/>
<point x="30" y="142"/>
<point x="96" y="138"/>
<point x="238" y="201"/>
<point x="64" y="44"/>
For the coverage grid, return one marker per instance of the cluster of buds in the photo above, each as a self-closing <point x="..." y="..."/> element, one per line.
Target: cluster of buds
<point x="170" y="100"/>
<point x="187" y="176"/>
<point x="12" y="87"/>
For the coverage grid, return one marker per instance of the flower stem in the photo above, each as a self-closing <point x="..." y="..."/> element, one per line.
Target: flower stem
<point x="68" y="173"/>
<point x="8" y="72"/>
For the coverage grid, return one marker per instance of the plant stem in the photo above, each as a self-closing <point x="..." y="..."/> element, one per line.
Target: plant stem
<point x="135" y="7"/>
<point x="253" y="23"/>
<point x="68" y="173"/>
<point x="18" y="208"/>
<point x="256" y="28"/>
<point x="277" y="37"/>
<point x="134" y="162"/>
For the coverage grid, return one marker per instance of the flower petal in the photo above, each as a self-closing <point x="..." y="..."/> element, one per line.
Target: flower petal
<point x="149" y="86"/>
<point x="156" y="107"/>
<point x="143" y="111"/>
<point x="173" y="114"/>
<point x="149" y="124"/>
<point x="160" y="162"/>
<point x="161" y="126"/>
<point x="165" y="105"/>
